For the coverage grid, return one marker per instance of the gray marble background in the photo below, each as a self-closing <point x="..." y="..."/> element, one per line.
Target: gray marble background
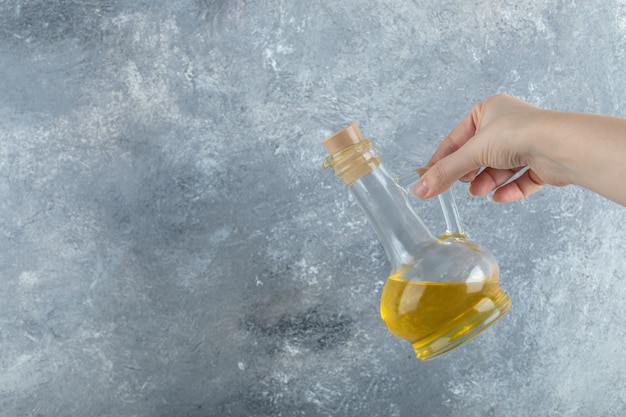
<point x="171" y="246"/>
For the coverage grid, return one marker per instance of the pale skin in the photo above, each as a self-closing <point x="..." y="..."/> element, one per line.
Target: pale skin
<point x="504" y="135"/>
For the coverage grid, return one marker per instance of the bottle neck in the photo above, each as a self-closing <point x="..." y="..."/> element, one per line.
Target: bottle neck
<point x="400" y="230"/>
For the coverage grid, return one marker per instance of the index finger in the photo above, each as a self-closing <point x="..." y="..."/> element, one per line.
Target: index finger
<point x="459" y="135"/>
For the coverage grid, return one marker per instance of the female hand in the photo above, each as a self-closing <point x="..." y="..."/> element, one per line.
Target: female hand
<point x="504" y="135"/>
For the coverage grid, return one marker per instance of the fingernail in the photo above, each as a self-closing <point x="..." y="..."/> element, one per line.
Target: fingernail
<point x="421" y="189"/>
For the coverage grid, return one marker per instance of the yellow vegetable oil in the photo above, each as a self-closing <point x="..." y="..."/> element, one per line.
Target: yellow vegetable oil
<point x="438" y="316"/>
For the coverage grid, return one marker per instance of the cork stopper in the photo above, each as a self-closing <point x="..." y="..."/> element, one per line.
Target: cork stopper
<point x="350" y="155"/>
<point x="343" y="139"/>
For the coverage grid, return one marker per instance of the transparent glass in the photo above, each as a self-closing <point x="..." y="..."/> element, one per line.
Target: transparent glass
<point x="442" y="291"/>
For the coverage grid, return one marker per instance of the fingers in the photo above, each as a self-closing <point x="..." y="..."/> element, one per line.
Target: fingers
<point x="470" y="176"/>
<point x="525" y="185"/>
<point x="489" y="136"/>
<point x="490" y="179"/>
<point x="444" y="162"/>
<point x="448" y="169"/>
<point x="459" y="136"/>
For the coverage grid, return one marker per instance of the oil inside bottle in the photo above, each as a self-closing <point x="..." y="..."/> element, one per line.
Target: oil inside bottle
<point x="436" y="317"/>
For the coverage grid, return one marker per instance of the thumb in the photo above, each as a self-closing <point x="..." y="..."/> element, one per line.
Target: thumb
<point x="440" y="176"/>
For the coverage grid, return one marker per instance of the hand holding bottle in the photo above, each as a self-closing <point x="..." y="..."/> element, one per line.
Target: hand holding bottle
<point x="442" y="291"/>
<point x="505" y="135"/>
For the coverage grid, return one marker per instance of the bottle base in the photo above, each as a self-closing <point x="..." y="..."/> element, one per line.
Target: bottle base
<point x="463" y="328"/>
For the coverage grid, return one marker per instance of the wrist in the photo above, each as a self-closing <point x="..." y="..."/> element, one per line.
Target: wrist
<point x="555" y="147"/>
<point x="582" y="149"/>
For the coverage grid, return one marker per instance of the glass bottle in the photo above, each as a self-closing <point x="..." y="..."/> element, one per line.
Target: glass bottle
<point x="442" y="291"/>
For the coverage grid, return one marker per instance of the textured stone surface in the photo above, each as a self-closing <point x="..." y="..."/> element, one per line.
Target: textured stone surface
<point x="170" y="246"/>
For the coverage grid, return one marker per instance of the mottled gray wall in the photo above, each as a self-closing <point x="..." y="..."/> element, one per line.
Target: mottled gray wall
<point x="170" y="246"/>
